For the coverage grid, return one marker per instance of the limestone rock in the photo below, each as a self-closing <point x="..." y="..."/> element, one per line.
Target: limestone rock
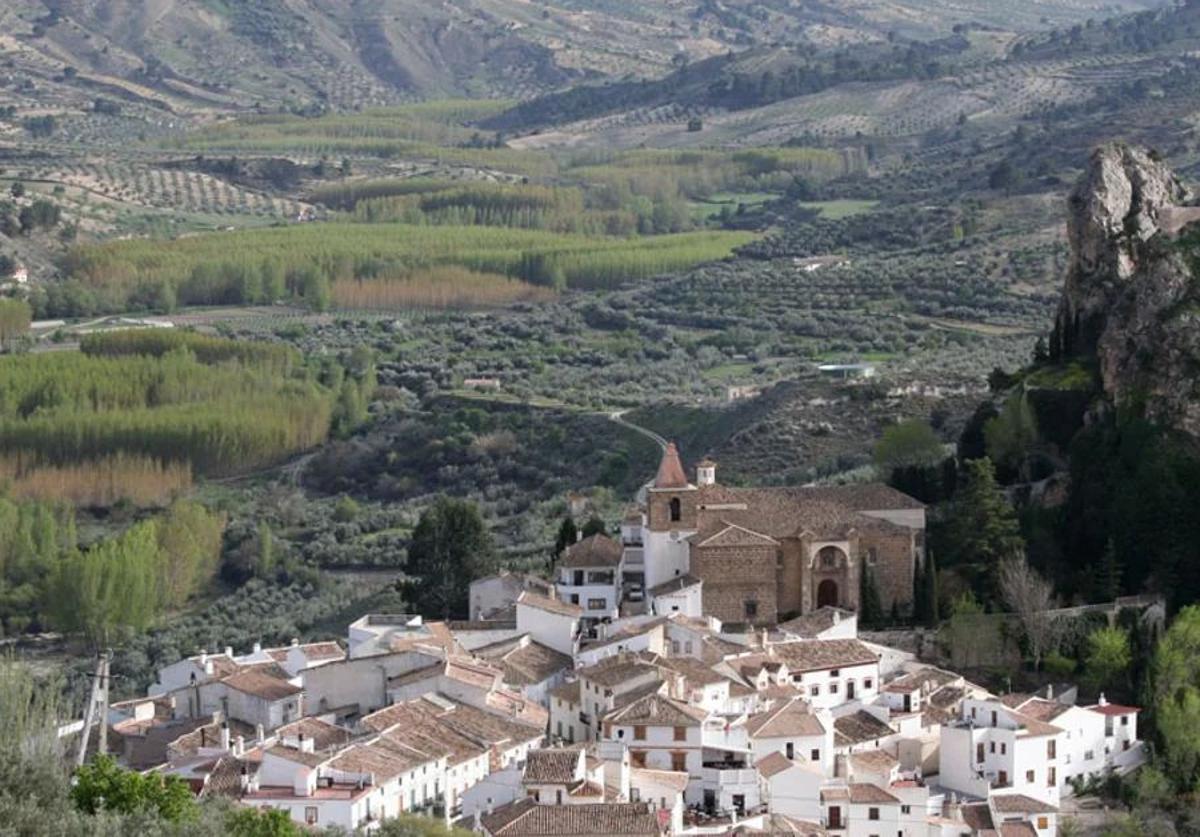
<point x="1132" y="297"/>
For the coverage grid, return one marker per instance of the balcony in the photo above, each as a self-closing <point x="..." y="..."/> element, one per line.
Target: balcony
<point x="728" y="775"/>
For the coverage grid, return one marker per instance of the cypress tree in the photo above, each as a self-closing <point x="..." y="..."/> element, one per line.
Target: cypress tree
<point x="929" y="607"/>
<point x="870" y="608"/>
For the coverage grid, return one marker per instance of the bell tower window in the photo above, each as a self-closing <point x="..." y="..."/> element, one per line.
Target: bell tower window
<point x="676" y="510"/>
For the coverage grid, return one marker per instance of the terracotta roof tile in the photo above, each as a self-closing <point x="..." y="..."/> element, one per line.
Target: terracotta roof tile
<point x="536" y="600"/>
<point x="773" y="764"/>
<point x="864" y="793"/>
<point x="793" y="718"/>
<point x="595" y="551"/>
<point x="858" y="728"/>
<point x="818" y="654"/>
<point x="262" y="685"/>
<point x="670" y="470"/>
<point x="551" y="767"/>
<point x="524" y="817"/>
<point x="656" y="710"/>
<point x="1019" y="803"/>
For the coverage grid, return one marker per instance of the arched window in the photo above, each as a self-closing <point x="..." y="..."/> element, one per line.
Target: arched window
<point x="676" y="509"/>
<point x="829" y="557"/>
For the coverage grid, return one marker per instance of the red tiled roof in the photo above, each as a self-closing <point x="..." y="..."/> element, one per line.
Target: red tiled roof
<point x="670" y="470"/>
<point x="594" y="551"/>
<point x="1114" y="709"/>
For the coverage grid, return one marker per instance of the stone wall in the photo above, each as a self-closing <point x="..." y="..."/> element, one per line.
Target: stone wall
<point x="735" y="575"/>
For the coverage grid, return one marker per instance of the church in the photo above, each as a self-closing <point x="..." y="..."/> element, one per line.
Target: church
<point x="762" y="555"/>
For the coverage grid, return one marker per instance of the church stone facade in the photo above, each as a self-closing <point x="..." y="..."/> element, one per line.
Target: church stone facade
<point x="765" y="554"/>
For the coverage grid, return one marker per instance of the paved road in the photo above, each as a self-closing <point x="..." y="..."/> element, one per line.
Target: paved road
<point x="619" y="418"/>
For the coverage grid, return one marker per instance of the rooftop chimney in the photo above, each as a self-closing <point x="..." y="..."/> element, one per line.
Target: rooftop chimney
<point x="229" y="651"/>
<point x="239" y="746"/>
<point x="1103" y="700"/>
<point x="257" y="647"/>
<point x="306" y="744"/>
<point x="224" y="736"/>
<point x="259" y="733"/>
<point x="295" y="642"/>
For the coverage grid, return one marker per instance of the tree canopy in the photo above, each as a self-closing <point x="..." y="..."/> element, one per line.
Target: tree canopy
<point x="451" y="546"/>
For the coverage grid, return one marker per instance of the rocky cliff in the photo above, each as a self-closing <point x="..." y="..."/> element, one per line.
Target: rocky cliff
<point x="1132" y="294"/>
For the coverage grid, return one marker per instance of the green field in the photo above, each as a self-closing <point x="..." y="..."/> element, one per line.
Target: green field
<point x="836" y="210"/>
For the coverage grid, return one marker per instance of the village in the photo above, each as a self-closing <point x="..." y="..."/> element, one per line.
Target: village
<point x="648" y="689"/>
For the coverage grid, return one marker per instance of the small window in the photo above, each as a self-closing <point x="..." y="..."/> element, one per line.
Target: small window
<point x="1051" y="777"/>
<point x="676" y="509"/>
<point x="751" y="609"/>
<point x="1043" y="823"/>
<point x="872" y="813"/>
<point x="814" y="690"/>
<point x="868" y="683"/>
<point x="815" y="755"/>
<point x="681" y="733"/>
<point x="994" y="717"/>
<point x="905" y="809"/>
<point x="833" y="688"/>
<point x="1124" y="720"/>
<point x="789" y="750"/>
<point x="639" y="733"/>
<point x="679" y="762"/>
<point x="597" y="604"/>
<point x="834" y="672"/>
<point x="1003" y="748"/>
<point x="992" y="747"/>
<point x="1031" y="776"/>
<point x="1051" y="749"/>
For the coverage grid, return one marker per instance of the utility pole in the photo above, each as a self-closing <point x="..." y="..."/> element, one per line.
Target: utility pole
<point x="97" y="703"/>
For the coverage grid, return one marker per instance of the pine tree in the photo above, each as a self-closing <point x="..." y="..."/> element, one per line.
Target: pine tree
<point x="984" y="528"/>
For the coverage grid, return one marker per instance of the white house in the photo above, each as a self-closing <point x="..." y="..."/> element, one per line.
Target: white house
<point x="551" y="622"/>
<point x="589" y="575"/>
<point x="791" y="788"/>
<point x="495" y="596"/>
<point x="683" y="594"/>
<point x="995" y="747"/>
<point x="831" y="672"/>
<point x="662" y="734"/>
<point x="793" y="730"/>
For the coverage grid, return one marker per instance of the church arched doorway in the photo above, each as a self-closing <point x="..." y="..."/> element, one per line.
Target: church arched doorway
<point x="827" y="593"/>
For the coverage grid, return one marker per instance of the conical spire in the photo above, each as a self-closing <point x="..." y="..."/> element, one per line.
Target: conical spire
<point x="670" y="470"/>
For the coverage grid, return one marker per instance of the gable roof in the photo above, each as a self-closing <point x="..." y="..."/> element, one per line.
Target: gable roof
<point x="791" y="719"/>
<point x="594" y="551"/>
<point x="551" y="766"/>
<point x="773" y="764"/>
<point x="549" y="605"/>
<point x="732" y="535"/>
<point x="670" y="469"/>
<point x="819" y="654"/>
<point x="859" y="727"/>
<point x="260" y="684"/>
<point x="1019" y="803"/>
<point x="864" y="793"/>
<point x="525" y="817"/>
<point x="811" y="624"/>
<point x="657" y="710"/>
<point x="674" y="585"/>
<point x="532" y="663"/>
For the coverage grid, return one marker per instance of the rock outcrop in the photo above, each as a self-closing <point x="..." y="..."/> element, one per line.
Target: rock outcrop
<point x="1132" y="294"/>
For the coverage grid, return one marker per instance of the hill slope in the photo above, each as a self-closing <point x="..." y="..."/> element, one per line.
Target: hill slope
<point x="362" y="52"/>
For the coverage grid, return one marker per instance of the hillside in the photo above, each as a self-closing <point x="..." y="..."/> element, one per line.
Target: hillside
<point x="181" y="54"/>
